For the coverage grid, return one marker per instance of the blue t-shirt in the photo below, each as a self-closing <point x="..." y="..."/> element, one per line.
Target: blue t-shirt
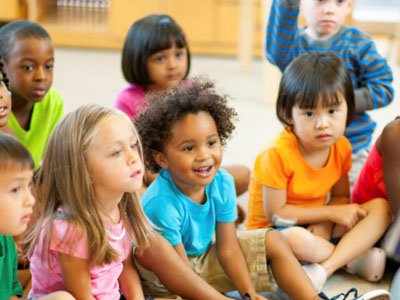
<point x="182" y="220"/>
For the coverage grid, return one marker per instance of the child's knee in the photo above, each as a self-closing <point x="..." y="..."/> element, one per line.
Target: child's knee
<point x="275" y="242"/>
<point x="61" y="296"/>
<point x="301" y="241"/>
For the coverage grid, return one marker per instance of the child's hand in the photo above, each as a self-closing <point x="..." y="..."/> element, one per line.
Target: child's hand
<point x="258" y="297"/>
<point x="322" y="229"/>
<point x="347" y="215"/>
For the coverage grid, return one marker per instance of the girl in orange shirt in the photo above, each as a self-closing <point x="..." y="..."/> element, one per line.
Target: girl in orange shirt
<point x="302" y="179"/>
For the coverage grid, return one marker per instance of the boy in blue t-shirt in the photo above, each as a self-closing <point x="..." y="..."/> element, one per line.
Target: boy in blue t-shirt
<point x="193" y="200"/>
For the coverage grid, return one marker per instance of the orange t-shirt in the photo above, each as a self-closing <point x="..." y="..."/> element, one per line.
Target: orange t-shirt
<point x="281" y="166"/>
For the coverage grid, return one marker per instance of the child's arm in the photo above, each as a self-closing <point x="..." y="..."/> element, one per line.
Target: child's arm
<point x="282" y="41"/>
<point x="340" y="194"/>
<point x="232" y="259"/>
<point x="276" y="208"/>
<point x="180" y="249"/>
<point x="129" y="281"/>
<point x="375" y="80"/>
<point x="76" y="276"/>
<point x="389" y="145"/>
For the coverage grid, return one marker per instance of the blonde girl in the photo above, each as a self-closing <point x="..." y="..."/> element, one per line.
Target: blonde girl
<point x="90" y="213"/>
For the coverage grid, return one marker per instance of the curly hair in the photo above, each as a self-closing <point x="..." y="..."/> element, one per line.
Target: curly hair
<point x="5" y="78"/>
<point x="165" y="109"/>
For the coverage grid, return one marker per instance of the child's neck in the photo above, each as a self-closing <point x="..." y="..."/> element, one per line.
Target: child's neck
<point x="22" y="111"/>
<point x="316" y="158"/>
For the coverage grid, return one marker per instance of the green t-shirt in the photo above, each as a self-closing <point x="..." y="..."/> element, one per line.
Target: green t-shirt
<point x="9" y="284"/>
<point x="45" y="116"/>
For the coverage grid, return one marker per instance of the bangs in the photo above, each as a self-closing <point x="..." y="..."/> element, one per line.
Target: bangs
<point x="328" y="93"/>
<point x="164" y="37"/>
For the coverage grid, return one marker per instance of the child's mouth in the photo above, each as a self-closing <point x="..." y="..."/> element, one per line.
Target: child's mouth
<point x="203" y="171"/>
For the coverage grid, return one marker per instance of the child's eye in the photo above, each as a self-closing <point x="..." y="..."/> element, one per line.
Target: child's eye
<point x="117" y="152"/>
<point x="160" y="58"/>
<point x="179" y="54"/>
<point x="332" y="111"/>
<point x="212" y="143"/>
<point x="134" y="146"/>
<point x="16" y="189"/>
<point x="309" y="113"/>
<point x="188" y="148"/>
<point x="341" y="1"/>
<point x="49" y="67"/>
<point x="27" y="68"/>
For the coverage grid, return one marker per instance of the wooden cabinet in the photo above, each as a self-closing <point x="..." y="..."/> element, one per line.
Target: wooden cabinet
<point x="211" y="26"/>
<point x="11" y="10"/>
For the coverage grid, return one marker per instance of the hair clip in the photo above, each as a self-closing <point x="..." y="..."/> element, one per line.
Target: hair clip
<point x="165" y="20"/>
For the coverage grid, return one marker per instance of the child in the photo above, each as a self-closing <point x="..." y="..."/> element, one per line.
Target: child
<point x="93" y="164"/>
<point x="16" y="202"/>
<point x="28" y="61"/>
<point x="183" y="132"/>
<point x="379" y="175"/>
<point x="310" y="159"/>
<point x="371" y="76"/>
<point x="155" y="58"/>
<point x="5" y="101"/>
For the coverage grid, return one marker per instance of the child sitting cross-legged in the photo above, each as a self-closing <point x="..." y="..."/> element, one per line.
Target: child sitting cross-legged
<point x="183" y="131"/>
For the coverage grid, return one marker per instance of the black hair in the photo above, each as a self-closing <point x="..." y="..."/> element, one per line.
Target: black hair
<point x="312" y="77"/>
<point x="13" y="153"/>
<point x="147" y="36"/>
<point x="18" y="30"/>
<point x="5" y="78"/>
<point x="165" y="109"/>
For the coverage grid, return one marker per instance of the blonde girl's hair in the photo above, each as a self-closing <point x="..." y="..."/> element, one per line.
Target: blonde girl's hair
<point x="64" y="181"/>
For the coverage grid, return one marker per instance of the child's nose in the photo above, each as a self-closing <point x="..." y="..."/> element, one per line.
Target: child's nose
<point x="329" y="6"/>
<point x="40" y="74"/>
<point x="131" y="156"/>
<point x="322" y="122"/>
<point x="29" y="199"/>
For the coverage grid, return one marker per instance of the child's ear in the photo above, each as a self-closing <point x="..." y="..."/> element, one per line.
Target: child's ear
<point x="160" y="159"/>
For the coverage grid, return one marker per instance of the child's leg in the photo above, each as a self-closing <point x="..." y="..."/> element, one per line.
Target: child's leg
<point x="58" y="296"/>
<point x="306" y="246"/>
<point x="174" y="273"/>
<point x="361" y="237"/>
<point x="287" y="271"/>
<point x="241" y="176"/>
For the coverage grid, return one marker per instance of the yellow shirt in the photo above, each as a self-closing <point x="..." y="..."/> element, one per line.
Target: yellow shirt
<point x="281" y="166"/>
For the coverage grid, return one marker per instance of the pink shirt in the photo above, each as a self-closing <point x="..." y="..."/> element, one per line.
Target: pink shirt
<point x="104" y="278"/>
<point x="370" y="182"/>
<point x="131" y="100"/>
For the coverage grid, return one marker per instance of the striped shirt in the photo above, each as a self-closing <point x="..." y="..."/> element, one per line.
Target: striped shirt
<point x="371" y="76"/>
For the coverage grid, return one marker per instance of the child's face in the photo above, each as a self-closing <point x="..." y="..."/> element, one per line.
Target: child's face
<point x="192" y="153"/>
<point x="320" y="127"/>
<point x="167" y="68"/>
<point x="16" y="200"/>
<point x="113" y="159"/>
<point x="5" y="103"/>
<point x="324" y="17"/>
<point x="30" y="69"/>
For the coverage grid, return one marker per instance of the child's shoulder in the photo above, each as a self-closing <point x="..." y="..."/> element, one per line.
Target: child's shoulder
<point x="52" y="100"/>
<point x="354" y="35"/>
<point x="131" y="91"/>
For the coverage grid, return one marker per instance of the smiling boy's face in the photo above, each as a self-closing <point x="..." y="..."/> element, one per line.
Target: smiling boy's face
<point x="29" y="68"/>
<point x="16" y="200"/>
<point x="5" y="103"/>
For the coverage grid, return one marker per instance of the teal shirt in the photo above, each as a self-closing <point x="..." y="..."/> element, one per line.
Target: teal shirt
<point x="45" y="116"/>
<point x="9" y="284"/>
